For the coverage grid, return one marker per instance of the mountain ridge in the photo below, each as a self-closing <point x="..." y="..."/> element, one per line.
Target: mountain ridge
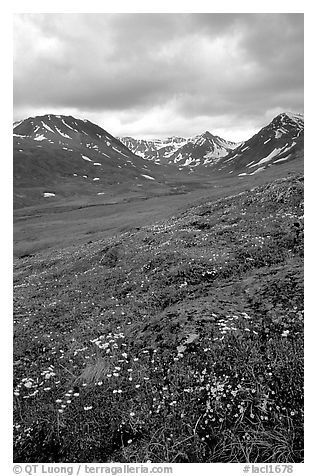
<point x="179" y="150"/>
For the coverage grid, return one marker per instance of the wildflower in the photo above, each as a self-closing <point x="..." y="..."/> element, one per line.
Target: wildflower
<point x="76" y="394"/>
<point x="129" y="442"/>
<point x="88" y="408"/>
<point x="137" y="386"/>
<point x="132" y="414"/>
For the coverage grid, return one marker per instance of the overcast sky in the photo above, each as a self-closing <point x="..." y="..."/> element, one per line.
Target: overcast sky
<point x="156" y="75"/>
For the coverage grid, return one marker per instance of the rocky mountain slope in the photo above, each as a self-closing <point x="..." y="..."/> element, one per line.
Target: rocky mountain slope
<point x="282" y="140"/>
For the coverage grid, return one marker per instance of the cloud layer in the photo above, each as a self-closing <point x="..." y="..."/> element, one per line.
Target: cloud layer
<point x="160" y="74"/>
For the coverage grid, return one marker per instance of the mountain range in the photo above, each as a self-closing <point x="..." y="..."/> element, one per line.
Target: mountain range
<point x="75" y="157"/>
<point x="203" y="149"/>
<point x="281" y="140"/>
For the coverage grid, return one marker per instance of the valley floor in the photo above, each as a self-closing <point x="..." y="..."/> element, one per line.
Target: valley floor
<point x="59" y="223"/>
<point x="180" y="341"/>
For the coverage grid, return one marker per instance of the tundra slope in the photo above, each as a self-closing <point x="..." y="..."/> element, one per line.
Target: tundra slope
<point x="179" y="342"/>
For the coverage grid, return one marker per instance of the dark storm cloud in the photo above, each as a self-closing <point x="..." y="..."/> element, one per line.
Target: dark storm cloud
<point x="233" y="66"/>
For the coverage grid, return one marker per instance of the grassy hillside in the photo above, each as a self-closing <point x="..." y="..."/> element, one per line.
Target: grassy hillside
<point x="178" y="342"/>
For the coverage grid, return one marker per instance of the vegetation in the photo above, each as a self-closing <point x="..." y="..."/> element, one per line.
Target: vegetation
<point x="178" y="342"/>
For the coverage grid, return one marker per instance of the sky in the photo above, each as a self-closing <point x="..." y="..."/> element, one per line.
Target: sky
<point x="157" y="75"/>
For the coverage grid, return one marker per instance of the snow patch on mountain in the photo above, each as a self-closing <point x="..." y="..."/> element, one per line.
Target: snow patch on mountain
<point x="47" y="127"/>
<point x="69" y="127"/>
<point x="86" y="158"/>
<point x="274" y="153"/>
<point x="282" y="159"/>
<point x="62" y="133"/>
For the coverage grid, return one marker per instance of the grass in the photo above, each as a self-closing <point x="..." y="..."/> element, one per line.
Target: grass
<point x="178" y="342"/>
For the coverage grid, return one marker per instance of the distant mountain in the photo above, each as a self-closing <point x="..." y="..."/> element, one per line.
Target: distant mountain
<point x="157" y="150"/>
<point x="281" y="141"/>
<point x="54" y="151"/>
<point x="202" y="149"/>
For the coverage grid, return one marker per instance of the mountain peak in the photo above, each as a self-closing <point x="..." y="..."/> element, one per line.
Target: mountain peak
<point x="295" y="115"/>
<point x="287" y="117"/>
<point x="278" y="142"/>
